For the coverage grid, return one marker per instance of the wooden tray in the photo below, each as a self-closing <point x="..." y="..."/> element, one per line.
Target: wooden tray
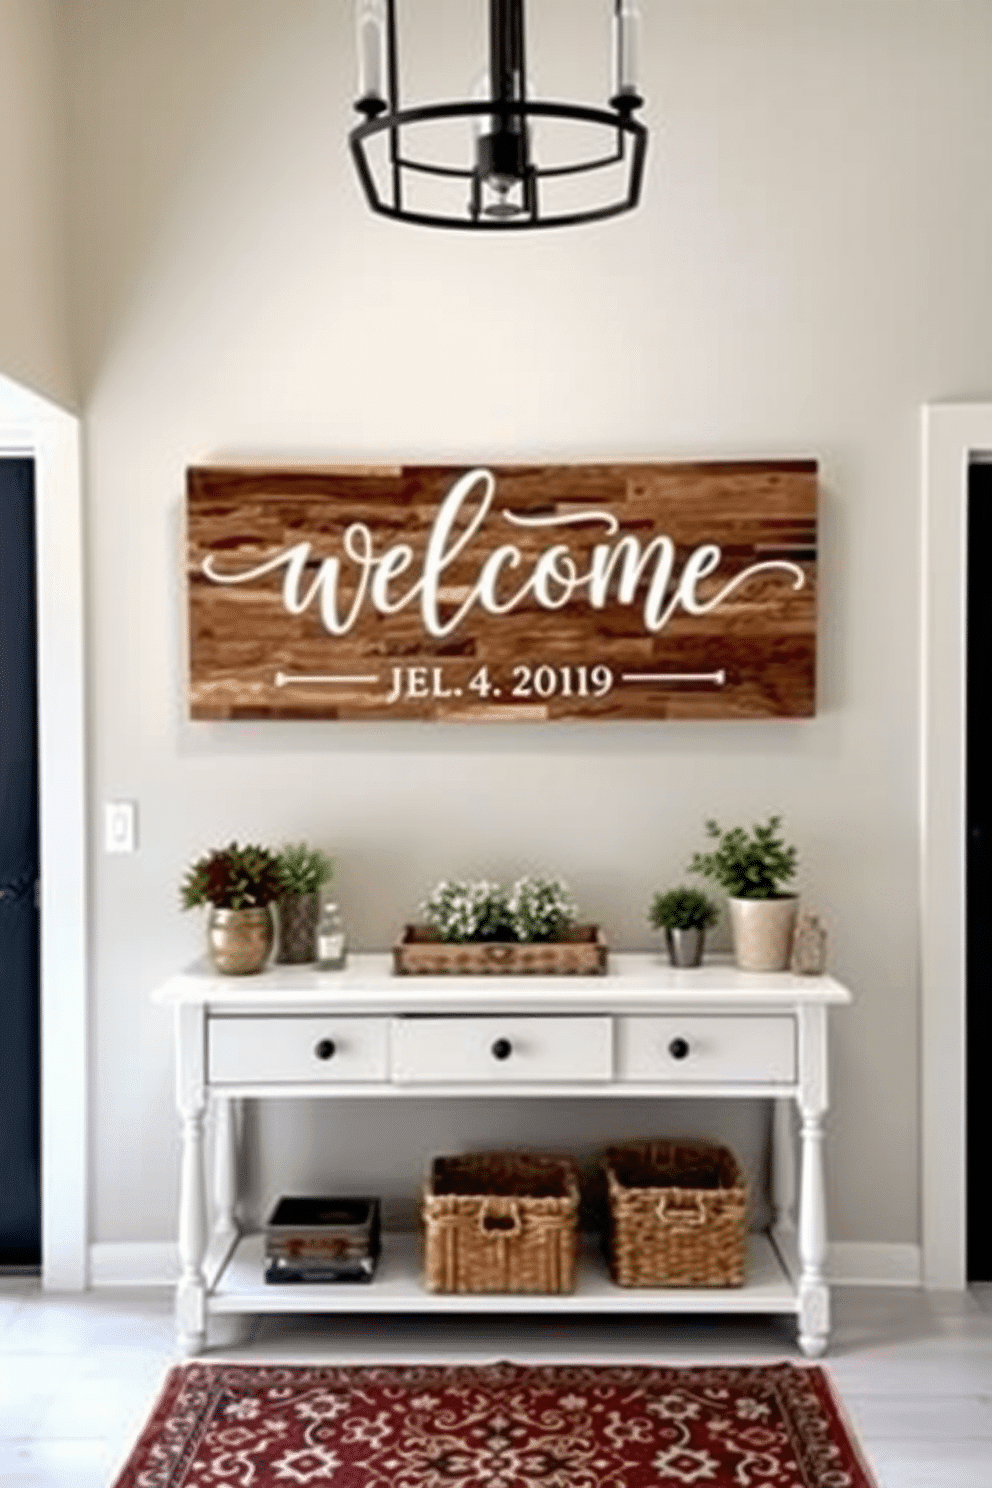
<point x="419" y="952"/>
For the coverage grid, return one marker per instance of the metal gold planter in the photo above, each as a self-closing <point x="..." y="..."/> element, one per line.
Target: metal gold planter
<point x="239" y="941"/>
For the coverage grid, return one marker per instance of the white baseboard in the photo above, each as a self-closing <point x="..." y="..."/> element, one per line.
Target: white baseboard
<point x="856" y="1263"/>
<point x="850" y="1263"/>
<point x="142" y="1263"/>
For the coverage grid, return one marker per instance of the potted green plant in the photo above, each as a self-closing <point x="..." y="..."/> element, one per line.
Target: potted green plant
<point x="303" y="871"/>
<point x="751" y="868"/>
<point x="239" y="884"/>
<point x="685" y="914"/>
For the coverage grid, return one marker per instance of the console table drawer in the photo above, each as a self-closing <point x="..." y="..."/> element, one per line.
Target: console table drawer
<point x="701" y="1049"/>
<point x="501" y="1051"/>
<point x="296" y="1050"/>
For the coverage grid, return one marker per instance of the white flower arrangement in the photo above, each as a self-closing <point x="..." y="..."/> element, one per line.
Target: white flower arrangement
<point x="541" y="908"/>
<point x="468" y="911"/>
<point x="533" y="909"/>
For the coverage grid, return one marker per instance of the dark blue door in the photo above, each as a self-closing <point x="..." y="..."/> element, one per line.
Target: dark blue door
<point x="979" y="868"/>
<point x="20" y="999"/>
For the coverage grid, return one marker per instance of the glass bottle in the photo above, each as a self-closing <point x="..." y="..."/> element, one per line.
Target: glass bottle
<point x="330" y="939"/>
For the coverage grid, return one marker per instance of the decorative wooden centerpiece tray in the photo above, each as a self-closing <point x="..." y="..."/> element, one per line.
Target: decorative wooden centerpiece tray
<point x="420" y="951"/>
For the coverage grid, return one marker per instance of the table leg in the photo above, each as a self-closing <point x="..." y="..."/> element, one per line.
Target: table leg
<point x="783" y="1167"/>
<point x="191" y="1293"/>
<point x="814" y="1294"/>
<point x="225" y="1169"/>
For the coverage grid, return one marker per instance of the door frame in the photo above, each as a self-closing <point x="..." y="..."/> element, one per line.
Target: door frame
<point x="954" y="434"/>
<point x="32" y="426"/>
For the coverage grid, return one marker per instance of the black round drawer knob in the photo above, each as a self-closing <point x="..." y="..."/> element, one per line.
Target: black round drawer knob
<point x="678" y="1048"/>
<point x="502" y="1049"/>
<point x="325" y="1049"/>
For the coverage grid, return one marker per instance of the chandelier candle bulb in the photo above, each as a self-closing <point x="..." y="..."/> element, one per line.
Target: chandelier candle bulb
<point x="371" y="46"/>
<point x="626" y="46"/>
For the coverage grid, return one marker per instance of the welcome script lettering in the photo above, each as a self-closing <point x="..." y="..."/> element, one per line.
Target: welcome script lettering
<point x="553" y="581"/>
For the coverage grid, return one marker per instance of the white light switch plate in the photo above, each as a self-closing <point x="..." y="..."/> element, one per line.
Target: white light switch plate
<point x="119" y="826"/>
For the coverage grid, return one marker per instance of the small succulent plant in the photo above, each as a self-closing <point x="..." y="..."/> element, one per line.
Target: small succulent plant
<point x="232" y="877"/>
<point x="303" y="869"/>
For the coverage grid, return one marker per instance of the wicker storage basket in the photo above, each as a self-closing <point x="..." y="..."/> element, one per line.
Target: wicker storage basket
<point x="419" y="952"/>
<point x="678" y="1215"/>
<point x="500" y="1222"/>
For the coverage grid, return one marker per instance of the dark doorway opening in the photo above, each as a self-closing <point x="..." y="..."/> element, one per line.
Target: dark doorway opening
<point x="20" y="961"/>
<point x="978" y="935"/>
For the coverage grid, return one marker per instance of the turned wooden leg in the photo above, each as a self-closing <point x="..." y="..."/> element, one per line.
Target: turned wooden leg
<point x="814" y="1295"/>
<point x="225" y="1167"/>
<point x="783" y="1166"/>
<point x="191" y="1293"/>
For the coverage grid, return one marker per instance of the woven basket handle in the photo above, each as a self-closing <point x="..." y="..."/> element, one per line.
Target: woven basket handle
<point x="499" y="1220"/>
<point x="682" y="1216"/>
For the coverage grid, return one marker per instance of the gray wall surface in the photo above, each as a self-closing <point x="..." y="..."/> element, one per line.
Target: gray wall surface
<point x="810" y="265"/>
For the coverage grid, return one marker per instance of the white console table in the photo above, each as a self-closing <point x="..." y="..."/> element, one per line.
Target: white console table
<point x="644" y="1029"/>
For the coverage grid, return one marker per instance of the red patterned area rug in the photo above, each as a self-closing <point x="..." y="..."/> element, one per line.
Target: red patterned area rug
<point x="496" y="1426"/>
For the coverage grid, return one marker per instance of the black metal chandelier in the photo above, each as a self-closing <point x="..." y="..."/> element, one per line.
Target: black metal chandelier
<point x="499" y="160"/>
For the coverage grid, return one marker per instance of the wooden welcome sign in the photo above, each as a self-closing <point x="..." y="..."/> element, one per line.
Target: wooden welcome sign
<point x="503" y="592"/>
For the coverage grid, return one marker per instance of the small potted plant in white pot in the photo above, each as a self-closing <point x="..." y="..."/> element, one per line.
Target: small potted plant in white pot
<point x="303" y="871"/>
<point x="239" y="884"/>
<point x="685" y="914"/>
<point x="751" y="868"/>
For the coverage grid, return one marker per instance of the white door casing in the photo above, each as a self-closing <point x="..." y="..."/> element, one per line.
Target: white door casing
<point x="30" y="425"/>
<point x="954" y="435"/>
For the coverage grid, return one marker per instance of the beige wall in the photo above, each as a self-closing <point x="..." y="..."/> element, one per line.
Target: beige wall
<point x="33" y="328"/>
<point x="810" y="264"/>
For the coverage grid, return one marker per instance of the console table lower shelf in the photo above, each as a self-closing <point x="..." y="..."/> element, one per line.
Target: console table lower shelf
<point x="238" y="1286"/>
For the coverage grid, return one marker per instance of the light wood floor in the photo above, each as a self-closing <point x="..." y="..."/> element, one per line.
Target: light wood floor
<point x="78" y="1375"/>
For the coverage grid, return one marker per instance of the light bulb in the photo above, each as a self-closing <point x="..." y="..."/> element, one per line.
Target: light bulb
<point x="626" y="47"/>
<point x="371" y="18"/>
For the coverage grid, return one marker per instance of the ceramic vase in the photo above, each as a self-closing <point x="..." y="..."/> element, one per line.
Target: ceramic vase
<point x="762" y="931"/>
<point x="239" y="941"/>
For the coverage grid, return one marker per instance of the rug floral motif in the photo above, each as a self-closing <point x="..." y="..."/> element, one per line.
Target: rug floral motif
<point x="495" y="1426"/>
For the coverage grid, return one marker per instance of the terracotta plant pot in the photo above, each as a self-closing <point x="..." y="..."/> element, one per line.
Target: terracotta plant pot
<point x="298" y="916"/>
<point x="762" y="930"/>
<point x="239" y="941"/>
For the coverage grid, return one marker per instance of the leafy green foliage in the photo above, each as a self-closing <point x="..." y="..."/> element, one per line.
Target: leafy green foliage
<point x="303" y="869"/>
<point x="468" y="911"/>
<point x="232" y="877"/>
<point x="746" y="865"/>
<point x="533" y="909"/>
<point x="541" y="908"/>
<point x="682" y="908"/>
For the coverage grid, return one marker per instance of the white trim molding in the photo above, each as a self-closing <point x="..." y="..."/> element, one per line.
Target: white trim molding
<point x="858" y="1263"/>
<point x="134" y="1263"/>
<point x="954" y="435"/>
<point x="30" y="425"/>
